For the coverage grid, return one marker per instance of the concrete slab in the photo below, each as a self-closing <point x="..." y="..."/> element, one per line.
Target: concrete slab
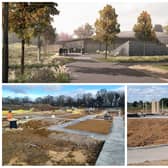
<point x="113" y="152"/>
<point x="140" y="155"/>
<point x="74" y="121"/>
<point x="148" y="117"/>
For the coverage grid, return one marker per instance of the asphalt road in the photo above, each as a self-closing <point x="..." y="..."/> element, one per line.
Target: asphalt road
<point x="90" y="71"/>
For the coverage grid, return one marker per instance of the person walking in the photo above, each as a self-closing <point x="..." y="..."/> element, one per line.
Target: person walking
<point x="9" y="115"/>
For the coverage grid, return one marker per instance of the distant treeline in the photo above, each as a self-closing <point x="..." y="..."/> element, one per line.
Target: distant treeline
<point x="139" y="104"/>
<point x="103" y="98"/>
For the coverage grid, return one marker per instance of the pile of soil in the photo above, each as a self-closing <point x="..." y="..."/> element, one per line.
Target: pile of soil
<point x="96" y="126"/>
<point x="35" y="146"/>
<point x="143" y="132"/>
<point x="35" y="124"/>
<point x="43" y="107"/>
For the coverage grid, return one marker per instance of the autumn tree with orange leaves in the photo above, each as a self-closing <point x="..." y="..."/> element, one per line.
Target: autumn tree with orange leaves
<point x="143" y="28"/>
<point x="107" y="27"/>
<point x="30" y="19"/>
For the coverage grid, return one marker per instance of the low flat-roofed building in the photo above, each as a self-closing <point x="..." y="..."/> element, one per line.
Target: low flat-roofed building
<point x="126" y="44"/>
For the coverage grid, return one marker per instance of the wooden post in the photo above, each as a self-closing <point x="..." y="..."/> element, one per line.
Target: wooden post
<point x="5" y="66"/>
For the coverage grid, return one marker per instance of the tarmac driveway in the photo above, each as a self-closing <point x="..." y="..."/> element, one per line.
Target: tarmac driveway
<point x="90" y="71"/>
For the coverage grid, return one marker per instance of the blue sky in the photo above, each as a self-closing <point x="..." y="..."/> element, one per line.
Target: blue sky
<point x="147" y="93"/>
<point x="34" y="91"/>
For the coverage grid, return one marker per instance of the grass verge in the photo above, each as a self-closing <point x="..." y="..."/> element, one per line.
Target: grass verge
<point x="134" y="59"/>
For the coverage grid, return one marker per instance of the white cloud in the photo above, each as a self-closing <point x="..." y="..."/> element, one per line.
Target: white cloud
<point x="120" y="89"/>
<point x="147" y="93"/>
<point x="75" y="13"/>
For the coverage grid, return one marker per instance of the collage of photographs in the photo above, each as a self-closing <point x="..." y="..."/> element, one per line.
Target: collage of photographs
<point x="84" y="83"/>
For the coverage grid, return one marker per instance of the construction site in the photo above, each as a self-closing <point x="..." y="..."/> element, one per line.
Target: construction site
<point x="148" y="133"/>
<point x="154" y="108"/>
<point x="47" y="135"/>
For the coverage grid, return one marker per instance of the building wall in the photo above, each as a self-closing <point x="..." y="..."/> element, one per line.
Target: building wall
<point x="122" y="50"/>
<point x="74" y="44"/>
<point x="121" y="46"/>
<point x="91" y="46"/>
<point x="151" y="49"/>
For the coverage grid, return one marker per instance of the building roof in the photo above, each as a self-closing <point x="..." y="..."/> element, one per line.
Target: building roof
<point x="131" y="34"/>
<point x="162" y="37"/>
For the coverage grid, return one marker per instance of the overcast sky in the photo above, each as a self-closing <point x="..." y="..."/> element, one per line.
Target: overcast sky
<point x="34" y="91"/>
<point x="75" y="13"/>
<point x="147" y="93"/>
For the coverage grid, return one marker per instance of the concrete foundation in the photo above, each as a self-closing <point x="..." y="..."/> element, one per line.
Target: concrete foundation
<point x="155" y="107"/>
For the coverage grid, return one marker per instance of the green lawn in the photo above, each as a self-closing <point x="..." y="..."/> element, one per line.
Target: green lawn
<point x="132" y="59"/>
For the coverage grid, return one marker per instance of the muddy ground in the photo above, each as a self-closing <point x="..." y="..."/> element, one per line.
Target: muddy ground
<point x="33" y="144"/>
<point x="143" y="132"/>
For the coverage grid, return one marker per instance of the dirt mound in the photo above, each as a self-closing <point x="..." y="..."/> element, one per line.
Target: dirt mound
<point x="36" y="147"/>
<point x="142" y="132"/>
<point x="79" y="140"/>
<point x="35" y="124"/>
<point x="43" y="107"/>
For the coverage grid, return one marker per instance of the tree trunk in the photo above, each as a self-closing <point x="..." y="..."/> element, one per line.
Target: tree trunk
<point x="39" y="49"/>
<point x="106" y="50"/>
<point x="144" y="50"/>
<point x="22" y="57"/>
<point x="5" y="44"/>
<point x="45" y="46"/>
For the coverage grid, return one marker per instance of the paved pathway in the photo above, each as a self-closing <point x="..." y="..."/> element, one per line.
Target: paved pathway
<point x="75" y="121"/>
<point x="113" y="152"/>
<point x="92" y="71"/>
<point x="142" y="154"/>
<point x="148" y="117"/>
<point x="113" y="149"/>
